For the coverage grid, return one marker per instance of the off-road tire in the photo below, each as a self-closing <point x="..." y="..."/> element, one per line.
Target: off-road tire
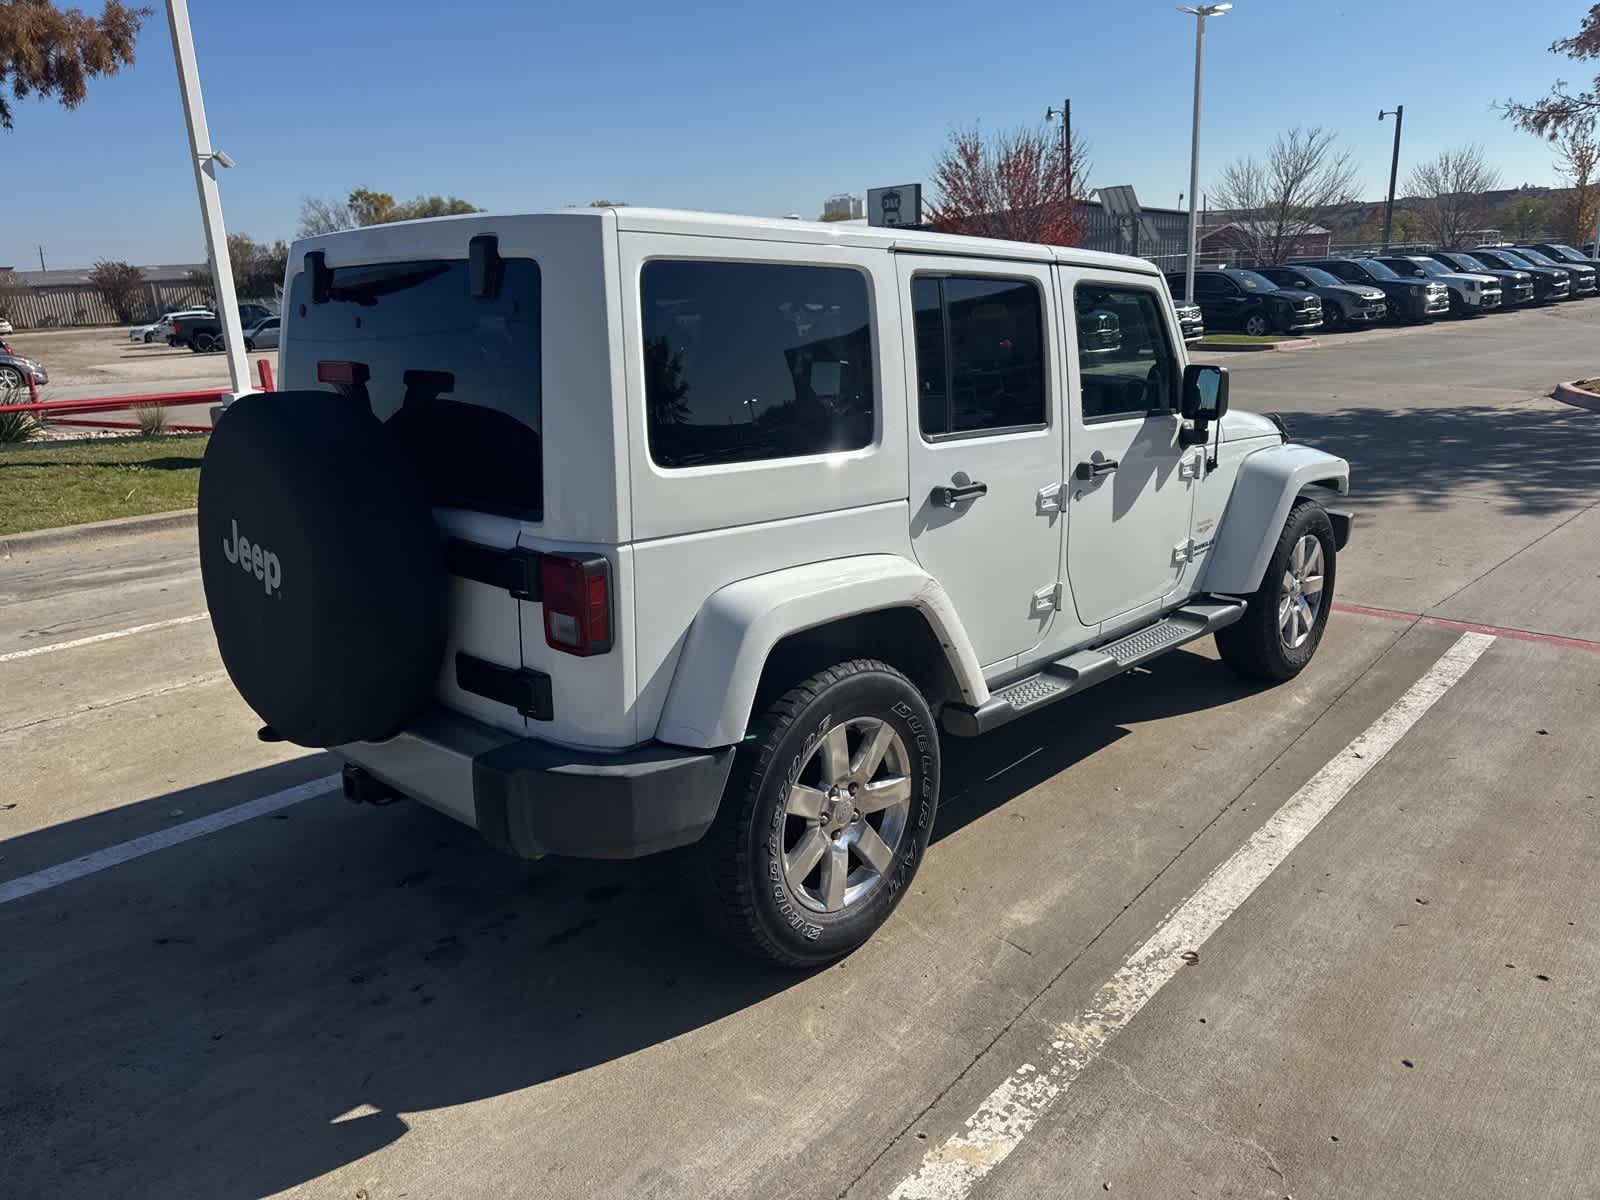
<point x="740" y="868"/>
<point x="1253" y="646"/>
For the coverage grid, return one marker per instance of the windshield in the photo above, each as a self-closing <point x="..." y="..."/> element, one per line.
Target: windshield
<point x="1465" y="262"/>
<point x="1251" y="282"/>
<point x="1319" y="277"/>
<point x="1513" y="258"/>
<point x="1428" y="267"/>
<point x="1535" y="257"/>
<point x="1378" y="270"/>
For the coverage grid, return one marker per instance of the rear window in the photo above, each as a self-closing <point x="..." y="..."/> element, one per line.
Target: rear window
<point x="752" y="361"/>
<point x="454" y="378"/>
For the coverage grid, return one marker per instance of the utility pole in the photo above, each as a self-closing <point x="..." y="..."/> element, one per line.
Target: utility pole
<point x="205" y="160"/>
<point x="1399" y="115"/>
<point x="40" y="249"/>
<point x="1200" y="14"/>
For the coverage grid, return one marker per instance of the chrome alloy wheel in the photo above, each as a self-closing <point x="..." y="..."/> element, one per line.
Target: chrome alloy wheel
<point x="846" y="814"/>
<point x="1300" y="597"/>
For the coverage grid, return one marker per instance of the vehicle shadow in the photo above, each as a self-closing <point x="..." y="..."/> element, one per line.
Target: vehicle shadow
<point x="1539" y="460"/>
<point x="239" y="1015"/>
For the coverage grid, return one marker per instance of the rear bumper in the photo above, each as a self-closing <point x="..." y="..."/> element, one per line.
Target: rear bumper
<point x="529" y="797"/>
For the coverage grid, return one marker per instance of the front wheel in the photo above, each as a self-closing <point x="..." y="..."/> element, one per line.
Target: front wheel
<point x="1282" y="626"/>
<point x="826" y="815"/>
<point x="1257" y="324"/>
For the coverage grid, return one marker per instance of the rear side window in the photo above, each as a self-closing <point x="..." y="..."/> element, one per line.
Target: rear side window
<point x="454" y="378"/>
<point x="752" y="361"/>
<point x="980" y="354"/>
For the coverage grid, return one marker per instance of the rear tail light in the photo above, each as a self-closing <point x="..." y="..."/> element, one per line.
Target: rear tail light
<point x="336" y="371"/>
<point x="576" y="594"/>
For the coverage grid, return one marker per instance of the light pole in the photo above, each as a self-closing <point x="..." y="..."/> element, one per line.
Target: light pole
<point x="1065" y="113"/>
<point x="206" y="160"/>
<point x="1200" y="13"/>
<point x="1399" y="115"/>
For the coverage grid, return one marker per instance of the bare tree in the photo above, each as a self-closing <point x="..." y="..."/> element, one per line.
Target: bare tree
<point x="1021" y="184"/>
<point x="1447" y="193"/>
<point x="1275" y="203"/>
<point x="319" y="215"/>
<point x="1578" y="159"/>
<point x="1563" y="107"/>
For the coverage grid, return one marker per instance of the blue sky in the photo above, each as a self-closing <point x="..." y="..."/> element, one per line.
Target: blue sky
<point x="739" y="107"/>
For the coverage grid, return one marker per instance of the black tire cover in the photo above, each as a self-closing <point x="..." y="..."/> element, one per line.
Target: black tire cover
<point x="332" y="621"/>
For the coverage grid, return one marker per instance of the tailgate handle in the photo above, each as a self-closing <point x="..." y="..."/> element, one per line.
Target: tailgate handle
<point x="515" y="569"/>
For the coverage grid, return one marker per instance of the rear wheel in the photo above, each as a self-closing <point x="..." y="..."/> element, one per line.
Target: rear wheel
<point x="1282" y="627"/>
<point x="10" y="384"/>
<point x="826" y="815"/>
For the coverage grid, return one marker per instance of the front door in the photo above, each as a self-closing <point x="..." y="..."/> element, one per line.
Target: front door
<point x="1130" y="484"/>
<point x="985" y="444"/>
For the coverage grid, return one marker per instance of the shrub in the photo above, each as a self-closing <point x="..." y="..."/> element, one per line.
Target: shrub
<point x="17" y="426"/>
<point x="152" y="418"/>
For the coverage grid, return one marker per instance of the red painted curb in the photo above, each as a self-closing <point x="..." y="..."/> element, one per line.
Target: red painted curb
<point x="1521" y="635"/>
<point x="1571" y="393"/>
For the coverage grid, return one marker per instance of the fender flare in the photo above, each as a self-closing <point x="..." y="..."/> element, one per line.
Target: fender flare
<point x="714" y="684"/>
<point x="1267" y="485"/>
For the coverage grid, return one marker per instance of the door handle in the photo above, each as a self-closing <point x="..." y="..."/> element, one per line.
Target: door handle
<point x="1095" y="468"/>
<point x="949" y="497"/>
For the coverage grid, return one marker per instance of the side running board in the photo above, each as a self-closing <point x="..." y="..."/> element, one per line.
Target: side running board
<point x="1085" y="668"/>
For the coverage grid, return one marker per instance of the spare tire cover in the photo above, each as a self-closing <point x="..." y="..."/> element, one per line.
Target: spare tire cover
<point x="322" y="568"/>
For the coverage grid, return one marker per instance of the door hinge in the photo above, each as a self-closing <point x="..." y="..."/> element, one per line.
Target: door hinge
<point x="1189" y="468"/>
<point x="1049" y="499"/>
<point x="1189" y="550"/>
<point x="1048" y="599"/>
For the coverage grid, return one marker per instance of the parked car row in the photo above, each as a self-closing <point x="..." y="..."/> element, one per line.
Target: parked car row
<point x="1346" y="293"/>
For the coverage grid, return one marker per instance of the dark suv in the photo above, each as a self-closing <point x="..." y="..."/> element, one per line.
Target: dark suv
<point x="1409" y="299"/>
<point x="1516" y="286"/>
<point x="1565" y="254"/>
<point x="1342" y="303"/>
<point x="1549" y="283"/>
<point x="1250" y="302"/>
<point x="1582" y="275"/>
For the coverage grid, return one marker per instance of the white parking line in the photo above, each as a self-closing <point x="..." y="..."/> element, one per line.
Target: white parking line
<point x="113" y="856"/>
<point x="13" y="655"/>
<point x="1010" y="1112"/>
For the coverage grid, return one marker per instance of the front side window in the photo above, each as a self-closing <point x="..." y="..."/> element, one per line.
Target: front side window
<point x="752" y="361"/>
<point x="980" y="354"/>
<point x="1130" y="369"/>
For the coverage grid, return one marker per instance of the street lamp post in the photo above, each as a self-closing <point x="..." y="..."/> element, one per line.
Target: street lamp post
<point x="206" y="159"/>
<point x="1399" y="115"/>
<point x="1200" y="13"/>
<point x="1065" y="113"/>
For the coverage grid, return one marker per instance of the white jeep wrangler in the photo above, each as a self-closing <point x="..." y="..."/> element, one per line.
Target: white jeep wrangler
<point x="607" y="532"/>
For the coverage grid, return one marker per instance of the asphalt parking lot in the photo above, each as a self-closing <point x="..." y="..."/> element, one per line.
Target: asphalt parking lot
<point x="330" y="1001"/>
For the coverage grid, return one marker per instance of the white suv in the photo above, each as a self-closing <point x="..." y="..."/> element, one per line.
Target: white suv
<point x="613" y="531"/>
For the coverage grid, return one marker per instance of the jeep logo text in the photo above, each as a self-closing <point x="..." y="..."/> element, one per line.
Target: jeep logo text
<point x="263" y="564"/>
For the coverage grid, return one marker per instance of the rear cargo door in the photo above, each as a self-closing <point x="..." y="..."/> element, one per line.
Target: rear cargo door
<point x="447" y="353"/>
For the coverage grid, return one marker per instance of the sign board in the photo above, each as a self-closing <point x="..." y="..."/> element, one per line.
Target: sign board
<point x="892" y="206"/>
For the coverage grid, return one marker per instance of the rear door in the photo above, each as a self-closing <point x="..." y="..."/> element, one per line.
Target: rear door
<point x="456" y="380"/>
<point x="986" y="443"/>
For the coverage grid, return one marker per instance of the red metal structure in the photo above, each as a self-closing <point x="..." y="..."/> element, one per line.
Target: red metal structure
<point x="80" y="412"/>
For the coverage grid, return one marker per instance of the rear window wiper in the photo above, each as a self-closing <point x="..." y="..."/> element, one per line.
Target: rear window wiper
<point x="363" y="285"/>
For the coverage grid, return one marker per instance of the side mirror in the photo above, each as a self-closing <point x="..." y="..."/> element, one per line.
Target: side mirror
<point x="1205" y="393"/>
